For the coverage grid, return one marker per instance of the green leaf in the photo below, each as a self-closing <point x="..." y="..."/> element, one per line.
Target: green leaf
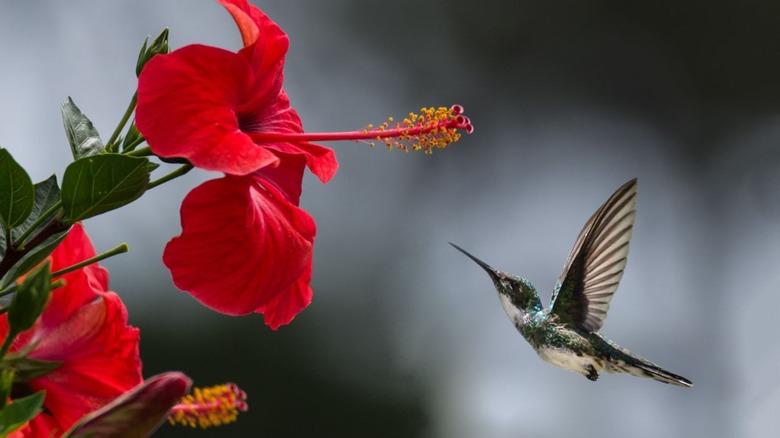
<point x="32" y="258"/>
<point x="27" y="369"/>
<point x="19" y="412"/>
<point x="97" y="184"/>
<point x="16" y="191"/>
<point x="6" y="385"/>
<point x="30" y="300"/>
<point x="83" y="137"/>
<point x="47" y="194"/>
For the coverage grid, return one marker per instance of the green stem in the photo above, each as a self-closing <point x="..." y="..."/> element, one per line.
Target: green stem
<point x="143" y="152"/>
<point x="8" y="291"/>
<point x="9" y="339"/>
<point x="119" y="249"/>
<point x="123" y="122"/>
<point x="40" y="220"/>
<point x="173" y="175"/>
<point x="131" y="146"/>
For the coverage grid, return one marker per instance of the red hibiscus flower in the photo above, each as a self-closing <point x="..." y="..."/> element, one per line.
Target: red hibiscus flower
<point x="245" y="245"/>
<point x="84" y="329"/>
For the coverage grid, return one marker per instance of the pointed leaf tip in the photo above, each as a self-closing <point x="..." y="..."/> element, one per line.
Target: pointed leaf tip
<point x="83" y="137"/>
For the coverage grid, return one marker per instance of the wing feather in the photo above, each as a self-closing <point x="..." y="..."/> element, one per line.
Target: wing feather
<point x="593" y="270"/>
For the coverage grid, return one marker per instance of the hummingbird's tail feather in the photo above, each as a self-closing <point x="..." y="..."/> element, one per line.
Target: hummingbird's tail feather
<point x="622" y="360"/>
<point x="643" y="368"/>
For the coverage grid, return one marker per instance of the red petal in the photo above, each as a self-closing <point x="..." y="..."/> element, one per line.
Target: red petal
<point x="240" y="247"/>
<point x="287" y="178"/>
<point x="256" y="27"/>
<point x="75" y="248"/>
<point x="320" y="159"/>
<point x="99" y="355"/>
<point x="265" y="43"/>
<point x="42" y="425"/>
<point x="239" y="9"/>
<point x="279" y="117"/>
<point x="187" y="103"/>
<point x="82" y="285"/>
<point x="285" y="306"/>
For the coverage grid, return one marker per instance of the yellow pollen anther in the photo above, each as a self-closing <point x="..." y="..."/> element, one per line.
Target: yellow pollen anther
<point x="431" y="128"/>
<point x="207" y="407"/>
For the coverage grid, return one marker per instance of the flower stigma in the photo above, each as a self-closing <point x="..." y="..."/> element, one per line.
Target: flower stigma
<point x="208" y="407"/>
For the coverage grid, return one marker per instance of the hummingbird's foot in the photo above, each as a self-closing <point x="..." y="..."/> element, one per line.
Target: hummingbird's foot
<point x="593" y="375"/>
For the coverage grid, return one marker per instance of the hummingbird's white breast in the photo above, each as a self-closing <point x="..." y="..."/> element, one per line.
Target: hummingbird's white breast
<point x="569" y="360"/>
<point x="512" y="312"/>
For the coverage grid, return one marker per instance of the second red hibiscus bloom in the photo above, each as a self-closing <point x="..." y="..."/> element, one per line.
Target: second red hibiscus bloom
<point x="84" y="331"/>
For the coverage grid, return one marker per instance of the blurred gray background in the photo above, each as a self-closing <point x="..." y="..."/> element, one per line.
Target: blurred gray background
<point x="405" y="336"/>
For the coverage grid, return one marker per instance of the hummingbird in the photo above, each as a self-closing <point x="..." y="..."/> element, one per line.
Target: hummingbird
<point x="567" y="334"/>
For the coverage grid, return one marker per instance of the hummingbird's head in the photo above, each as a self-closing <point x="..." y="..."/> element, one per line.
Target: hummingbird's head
<point x="520" y="292"/>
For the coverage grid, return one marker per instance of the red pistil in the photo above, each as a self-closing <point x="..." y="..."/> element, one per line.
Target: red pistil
<point x="433" y="128"/>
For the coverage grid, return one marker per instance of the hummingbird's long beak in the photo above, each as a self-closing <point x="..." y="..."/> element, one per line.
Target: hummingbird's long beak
<point x="491" y="272"/>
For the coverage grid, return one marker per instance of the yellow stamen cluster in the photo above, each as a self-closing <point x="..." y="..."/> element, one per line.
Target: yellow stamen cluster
<point x="207" y="407"/>
<point x="432" y="128"/>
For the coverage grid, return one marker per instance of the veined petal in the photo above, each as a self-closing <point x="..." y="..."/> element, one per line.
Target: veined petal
<point x="99" y="355"/>
<point x="285" y="306"/>
<point x="287" y="177"/>
<point x="40" y="426"/>
<point x="187" y="107"/>
<point x="241" y="245"/>
<point x="75" y="248"/>
<point x="82" y="285"/>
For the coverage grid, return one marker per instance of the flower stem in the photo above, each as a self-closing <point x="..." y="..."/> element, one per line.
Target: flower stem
<point x="173" y="175"/>
<point x="122" y="123"/>
<point x="263" y="137"/>
<point x="9" y="339"/>
<point x="119" y="249"/>
<point x="143" y="152"/>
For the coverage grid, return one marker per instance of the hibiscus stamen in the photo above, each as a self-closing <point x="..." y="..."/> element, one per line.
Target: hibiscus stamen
<point x="432" y="128"/>
<point x="207" y="407"/>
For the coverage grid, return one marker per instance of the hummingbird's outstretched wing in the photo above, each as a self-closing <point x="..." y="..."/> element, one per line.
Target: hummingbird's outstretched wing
<point x="592" y="272"/>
